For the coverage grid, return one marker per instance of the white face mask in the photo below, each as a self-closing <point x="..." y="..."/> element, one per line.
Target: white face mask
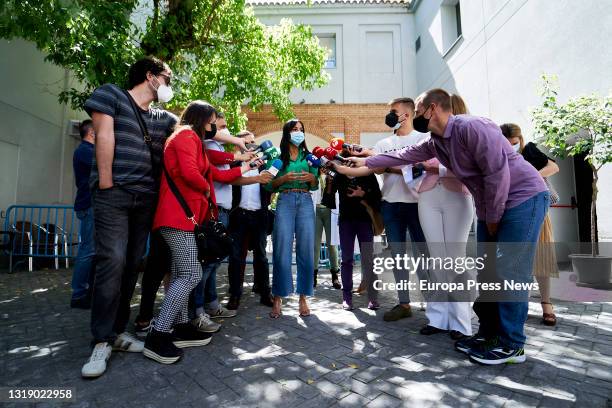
<point x="223" y="132"/>
<point x="164" y="93"/>
<point x="516" y="147"/>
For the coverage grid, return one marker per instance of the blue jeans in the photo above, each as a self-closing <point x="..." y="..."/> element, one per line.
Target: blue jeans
<point x="294" y="215"/>
<point x="399" y="218"/>
<point x="205" y="294"/>
<point x="519" y="227"/>
<point x="82" y="274"/>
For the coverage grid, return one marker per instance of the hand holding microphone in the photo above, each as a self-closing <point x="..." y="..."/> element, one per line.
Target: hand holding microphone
<point x="267" y="175"/>
<point x="265" y="145"/>
<point x="339" y="144"/>
<point x="322" y="162"/>
<point x="275" y="167"/>
<point x="332" y="154"/>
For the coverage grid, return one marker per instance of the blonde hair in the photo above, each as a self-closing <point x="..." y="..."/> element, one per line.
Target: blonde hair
<point x="458" y="105"/>
<point x="512" y="130"/>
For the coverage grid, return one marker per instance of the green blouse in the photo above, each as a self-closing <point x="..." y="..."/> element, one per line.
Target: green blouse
<point x="297" y="165"/>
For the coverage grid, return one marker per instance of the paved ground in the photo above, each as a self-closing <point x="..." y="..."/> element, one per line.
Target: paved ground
<point x="333" y="358"/>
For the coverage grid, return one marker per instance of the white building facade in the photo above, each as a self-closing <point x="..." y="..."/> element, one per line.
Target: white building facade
<point x="491" y="52"/>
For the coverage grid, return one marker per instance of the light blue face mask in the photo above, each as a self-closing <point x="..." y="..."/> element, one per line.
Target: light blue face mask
<point x="297" y="138"/>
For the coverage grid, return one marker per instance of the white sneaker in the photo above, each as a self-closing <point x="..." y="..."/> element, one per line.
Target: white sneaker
<point x="222" y="313"/>
<point x="129" y="343"/>
<point x="96" y="365"/>
<point x="204" y="324"/>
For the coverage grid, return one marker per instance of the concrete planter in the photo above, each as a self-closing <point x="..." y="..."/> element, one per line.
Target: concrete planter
<point x="593" y="272"/>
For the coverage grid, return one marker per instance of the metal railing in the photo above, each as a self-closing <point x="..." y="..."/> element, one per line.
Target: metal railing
<point x="41" y="231"/>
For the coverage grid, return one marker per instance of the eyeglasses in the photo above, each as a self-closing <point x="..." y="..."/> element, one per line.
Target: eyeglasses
<point x="166" y="77"/>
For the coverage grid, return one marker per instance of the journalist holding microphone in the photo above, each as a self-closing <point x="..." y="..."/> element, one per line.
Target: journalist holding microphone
<point x="511" y="202"/>
<point x="294" y="215"/>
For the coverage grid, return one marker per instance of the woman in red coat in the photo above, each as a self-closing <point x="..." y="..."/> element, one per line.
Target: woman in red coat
<point x="188" y="166"/>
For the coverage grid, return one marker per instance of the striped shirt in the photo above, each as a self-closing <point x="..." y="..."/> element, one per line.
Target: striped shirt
<point x="132" y="161"/>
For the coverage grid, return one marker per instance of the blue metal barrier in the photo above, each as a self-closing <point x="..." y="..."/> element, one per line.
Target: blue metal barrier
<point x="42" y="231"/>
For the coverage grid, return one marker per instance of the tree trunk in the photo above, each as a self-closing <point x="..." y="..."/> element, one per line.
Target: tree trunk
<point x="594" y="238"/>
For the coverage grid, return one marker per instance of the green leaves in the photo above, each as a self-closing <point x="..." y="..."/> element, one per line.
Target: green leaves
<point x="581" y="125"/>
<point x="217" y="49"/>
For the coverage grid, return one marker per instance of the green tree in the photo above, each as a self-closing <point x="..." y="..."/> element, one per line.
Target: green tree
<point x="582" y="125"/>
<point x="217" y="49"/>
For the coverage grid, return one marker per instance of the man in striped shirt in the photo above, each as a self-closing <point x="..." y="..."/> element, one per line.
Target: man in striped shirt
<point x="124" y="183"/>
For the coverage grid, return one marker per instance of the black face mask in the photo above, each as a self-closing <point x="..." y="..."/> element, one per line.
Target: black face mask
<point x="421" y="124"/>
<point x="391" y="119"/>
<point x="209" y="134"/>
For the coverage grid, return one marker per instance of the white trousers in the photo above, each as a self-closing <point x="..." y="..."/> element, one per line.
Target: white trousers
<point x="446" y="217"/>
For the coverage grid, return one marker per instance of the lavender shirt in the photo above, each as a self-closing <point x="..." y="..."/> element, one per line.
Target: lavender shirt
<point x="479" y="155"/>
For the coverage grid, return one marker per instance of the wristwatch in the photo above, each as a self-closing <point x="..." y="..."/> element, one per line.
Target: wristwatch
<point x="387" y="169"/>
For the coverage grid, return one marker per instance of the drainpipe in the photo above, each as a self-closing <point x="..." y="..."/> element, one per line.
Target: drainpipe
<point x="60" y="193"/>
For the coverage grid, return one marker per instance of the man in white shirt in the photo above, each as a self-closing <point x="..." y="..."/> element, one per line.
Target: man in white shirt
<point x="205" y="297"/>
<point x="249" y="225"/>
<point x="400" y="201"/>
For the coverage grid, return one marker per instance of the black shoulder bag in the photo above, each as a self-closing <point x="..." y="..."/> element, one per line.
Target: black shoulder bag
<point x="213" y="241"/>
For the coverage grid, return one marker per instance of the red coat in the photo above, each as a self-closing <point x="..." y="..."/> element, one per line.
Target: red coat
<point x="192" y="172"/>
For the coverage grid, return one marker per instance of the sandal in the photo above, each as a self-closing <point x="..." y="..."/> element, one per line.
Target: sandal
<point x="304" y="313"/>
<point x="548" y="319"/>
<point x="273" y="313"/>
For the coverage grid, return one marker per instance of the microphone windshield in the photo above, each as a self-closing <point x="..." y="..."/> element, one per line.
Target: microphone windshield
<point x="318" y="151"/>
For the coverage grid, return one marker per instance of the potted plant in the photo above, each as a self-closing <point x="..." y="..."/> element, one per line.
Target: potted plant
<point x="582" y="125"/>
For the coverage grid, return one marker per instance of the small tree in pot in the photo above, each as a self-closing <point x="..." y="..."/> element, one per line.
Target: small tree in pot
<point x="582" y="125"/>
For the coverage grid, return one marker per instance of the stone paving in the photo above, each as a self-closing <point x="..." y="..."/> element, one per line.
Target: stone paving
<point x="333" y="358"/>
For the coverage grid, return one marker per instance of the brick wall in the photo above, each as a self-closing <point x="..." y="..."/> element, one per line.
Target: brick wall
<point x="322" y="120"/>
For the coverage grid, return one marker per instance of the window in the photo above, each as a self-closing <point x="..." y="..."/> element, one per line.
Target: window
<point x="417" y="44"/>
<point x="458" y="18"/>
<point x="450" y="14"/>
<point x="329" y="41"/>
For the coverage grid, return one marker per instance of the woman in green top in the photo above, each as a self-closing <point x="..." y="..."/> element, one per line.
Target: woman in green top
<point x="294" y="215"/>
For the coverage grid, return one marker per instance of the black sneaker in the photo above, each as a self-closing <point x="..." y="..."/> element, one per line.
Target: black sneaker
<point x="464" y="345"/>
<point x="187" y="335"/>
<point x="497" y="355"/>
<point x="159" y="347"/>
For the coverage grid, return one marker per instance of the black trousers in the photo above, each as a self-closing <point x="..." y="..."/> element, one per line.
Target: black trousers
<point x="248" y="230"/>
<point x="159" y="262"/>
<point x="122" y="224"/>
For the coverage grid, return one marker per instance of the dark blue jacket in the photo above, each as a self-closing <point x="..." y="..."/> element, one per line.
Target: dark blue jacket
<point x="81" y="163"/>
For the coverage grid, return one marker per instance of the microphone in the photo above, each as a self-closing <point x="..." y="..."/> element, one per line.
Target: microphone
<point x="339" y="144"/>
<point x="275" y="167"/>
<point x="332" y="154"/>
<point x="318" y="151"/>
<point x="313" y="161"/>
<point x="271" y="153"/>
<point x="265" y="145"/>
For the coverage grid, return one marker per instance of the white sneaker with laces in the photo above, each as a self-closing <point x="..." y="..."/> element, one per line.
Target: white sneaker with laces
<point x="204" y="324"/>
<point x="126" y="342"/>
<point x="96" y="365"/>
<point x="222" y="313"/>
